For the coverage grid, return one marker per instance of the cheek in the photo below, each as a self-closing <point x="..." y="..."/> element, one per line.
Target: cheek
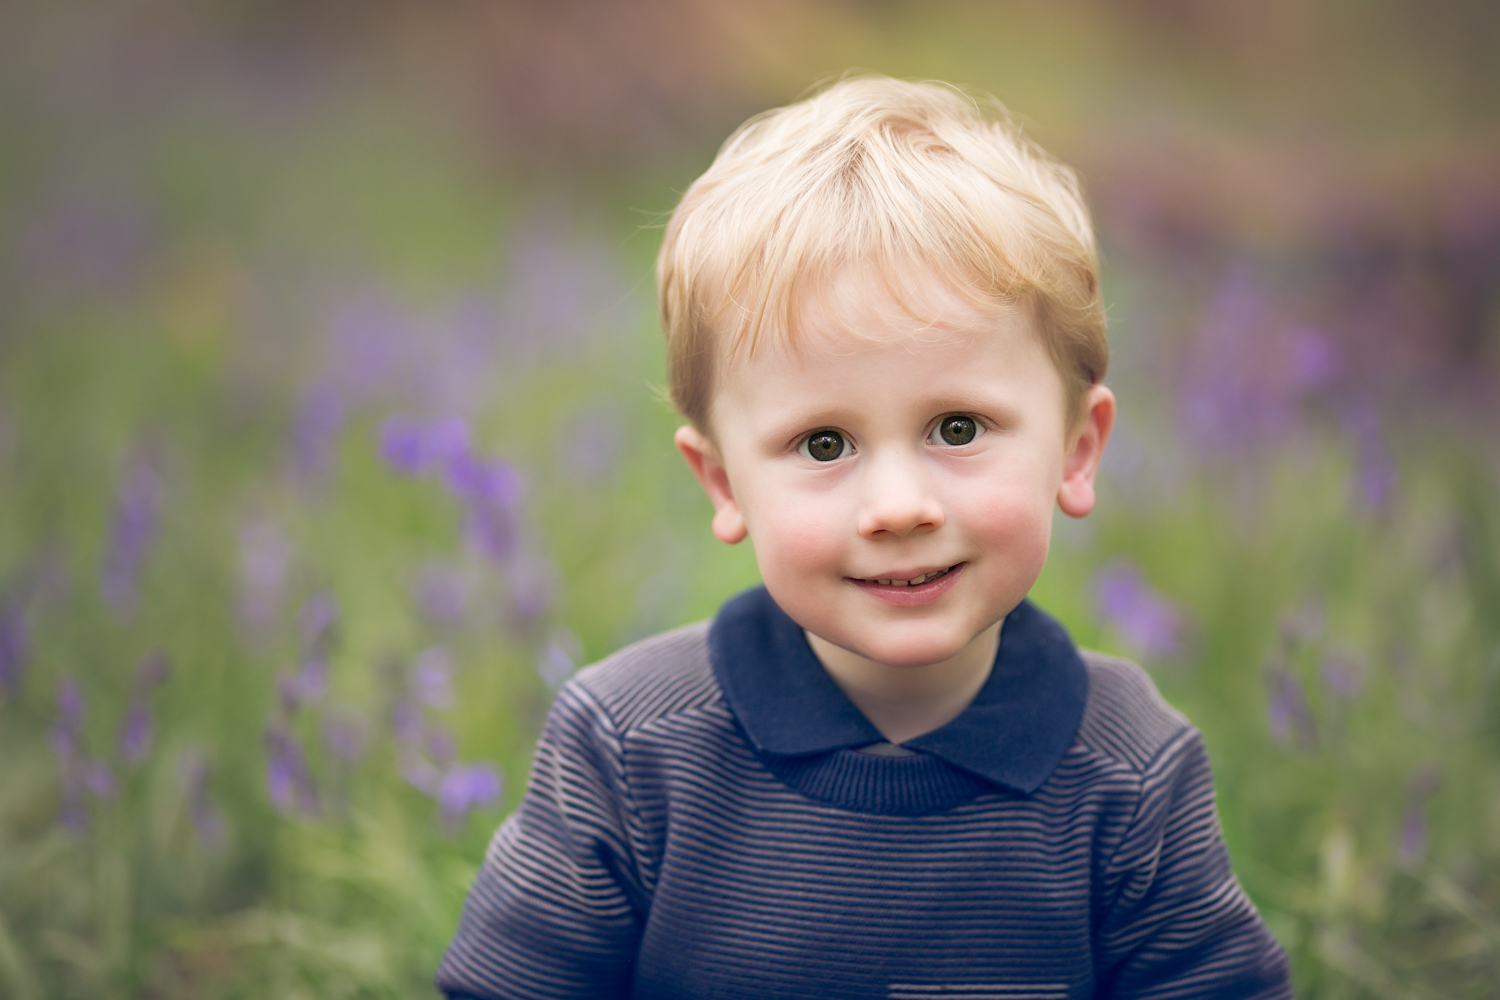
<point x="1015" y="524"/>
<point x="795" y="534"/>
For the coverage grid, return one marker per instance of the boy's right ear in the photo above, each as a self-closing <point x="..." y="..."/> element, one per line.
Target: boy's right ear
<point x="703" y="458"/>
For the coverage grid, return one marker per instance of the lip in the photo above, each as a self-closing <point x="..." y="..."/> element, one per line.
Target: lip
<point x="907" y="597"/>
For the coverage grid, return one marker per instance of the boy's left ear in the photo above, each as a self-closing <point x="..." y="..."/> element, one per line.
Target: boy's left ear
<point x="1076" y="494"/>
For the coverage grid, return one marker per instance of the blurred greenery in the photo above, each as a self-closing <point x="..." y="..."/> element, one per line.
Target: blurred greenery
<point x="246" y="244"/>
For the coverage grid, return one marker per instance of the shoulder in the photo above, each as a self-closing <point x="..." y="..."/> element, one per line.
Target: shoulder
<point x="1125" y="718"/>
<point x="665" y="675"/>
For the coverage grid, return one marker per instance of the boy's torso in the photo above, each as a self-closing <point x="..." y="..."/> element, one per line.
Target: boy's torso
<point x="745" y="876"/>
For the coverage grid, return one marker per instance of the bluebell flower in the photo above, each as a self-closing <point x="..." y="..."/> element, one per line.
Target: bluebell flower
<point x="346" y="734"/>
<point x="432" y="677"/>
<point x="208" y="819"/>
<point x="1145" y="618"/>
<point x="265" y="558"/>
<point x="134" y="740"/>
<point x="315" y="429"/>
<point x="1412" y="847"/>
<point x="467" y="787"/>
<point x="15" y="643"/>
<point x="1343" y="674"/>
<point x="1287" y="711"/>
<point x="289" y="780"/>
<point x="132" y="529"/>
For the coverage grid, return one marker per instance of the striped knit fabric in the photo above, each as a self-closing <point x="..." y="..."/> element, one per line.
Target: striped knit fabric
<point x="657" y="855"/>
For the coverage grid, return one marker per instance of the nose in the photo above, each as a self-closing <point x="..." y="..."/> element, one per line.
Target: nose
<point x="896" y="499"/>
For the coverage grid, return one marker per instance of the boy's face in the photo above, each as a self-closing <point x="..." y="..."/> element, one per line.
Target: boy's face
<point x="925" y="455"/>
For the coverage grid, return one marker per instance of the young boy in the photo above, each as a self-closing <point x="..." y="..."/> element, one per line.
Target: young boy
<point x="884" y="774"/>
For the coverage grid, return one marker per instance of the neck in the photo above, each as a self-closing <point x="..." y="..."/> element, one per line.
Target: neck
<point x="905" y="702"/>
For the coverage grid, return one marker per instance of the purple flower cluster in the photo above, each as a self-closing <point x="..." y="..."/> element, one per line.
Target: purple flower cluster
<point x="1413" y="844"/>
<point x="1145" y="618"/>
<point x="193" y="773"/>
<point x="136" y="731"/>
<point x="315" y="430"/>
<point x="427" y="751"/>
<point x="1288" y="714"/>
<point x="289" y="779"/>
<point x="1250" y="366"/>
<point x="134" y="526"/>
<point x="15" y="643"/>
<point x="490" y="489"/>
<point x="265" y="558"/>
<point x="1376" y="479"/>
<point x="79" y="774"/>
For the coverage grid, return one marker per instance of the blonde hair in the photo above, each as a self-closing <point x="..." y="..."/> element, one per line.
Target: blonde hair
<point x="885" y="174"/>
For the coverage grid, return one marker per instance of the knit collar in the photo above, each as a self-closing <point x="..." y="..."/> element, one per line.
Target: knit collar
<point x="1014" y="733"/>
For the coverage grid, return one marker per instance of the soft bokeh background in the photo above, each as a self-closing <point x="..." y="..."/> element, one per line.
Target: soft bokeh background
<point x="329" y="444"/>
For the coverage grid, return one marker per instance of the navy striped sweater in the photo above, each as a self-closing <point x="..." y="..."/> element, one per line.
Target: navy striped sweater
<point x="709" y="816"/>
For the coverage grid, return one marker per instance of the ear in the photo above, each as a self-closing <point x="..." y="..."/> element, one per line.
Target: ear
<point x="703" y="458"/>
<point x="1076" y="494"/>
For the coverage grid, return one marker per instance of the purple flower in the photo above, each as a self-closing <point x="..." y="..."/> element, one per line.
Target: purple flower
<point x="63" y="736"/>
<point x="403" y="445"/>
<point x="1314" y="359"/>
<point x="406" y="723"/>
<point x="559" y="658"/>
<point x="265" y="557"/>
<point x="421" y="773"/>
<point x="1136" y="611"/>
<point x="417" y="448"/>
<point x="15" y="644"/>
<point x="432" y="677"/>
<point x="78" y="774"/>
<point x="440" y="745"/>
<point x="532" y="581"/>
<point x="1377" y="478"/>
<point x="1413" y="845"/>
<point x="467" y="787"/>
<point x="137" y="510"/>
<point x="1287" y="711"/>
<point x="320" y="417"/>
<point x="136" y="733"/>
<point x="288" y="778"/>
<point x="1343" y="674"/>
<point x="345" y="734"/>
<point x="441" y="593"/>
<point x="208" y="819"/>
<point x="96" y="776"/>
<point x="317" y="618"/>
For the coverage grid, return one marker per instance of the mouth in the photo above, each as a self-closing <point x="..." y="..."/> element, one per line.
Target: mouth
<point x="920" y="587"/>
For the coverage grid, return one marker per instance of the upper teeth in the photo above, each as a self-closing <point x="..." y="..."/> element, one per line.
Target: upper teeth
<point x="914" y="581"/>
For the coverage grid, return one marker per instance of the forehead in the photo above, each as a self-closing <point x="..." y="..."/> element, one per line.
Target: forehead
<point x="857" y="340"/>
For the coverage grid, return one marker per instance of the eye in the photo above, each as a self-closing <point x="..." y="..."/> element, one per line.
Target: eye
<point x="955" y="430"/>
<point x="823" y="446"/>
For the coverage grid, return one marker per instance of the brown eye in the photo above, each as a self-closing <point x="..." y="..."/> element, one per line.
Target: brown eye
<point x="824" y="446"/>
<point x="957" y="430"/>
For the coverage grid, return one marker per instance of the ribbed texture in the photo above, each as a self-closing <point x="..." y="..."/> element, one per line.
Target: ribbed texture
<point x="655" y="855"/>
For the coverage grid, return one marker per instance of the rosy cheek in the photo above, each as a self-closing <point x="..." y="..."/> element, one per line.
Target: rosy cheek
<point x="797" y="532"/>
<point x="1018" y="525"/>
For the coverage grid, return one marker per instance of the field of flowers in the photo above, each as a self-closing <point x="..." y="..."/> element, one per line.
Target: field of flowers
<point x="330" y="446"/>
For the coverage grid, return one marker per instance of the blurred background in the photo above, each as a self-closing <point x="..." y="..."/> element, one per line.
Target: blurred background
<point x="330" y="444"/>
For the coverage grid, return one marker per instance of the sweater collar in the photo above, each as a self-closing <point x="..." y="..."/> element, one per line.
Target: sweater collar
<point x="1014" y="733"/>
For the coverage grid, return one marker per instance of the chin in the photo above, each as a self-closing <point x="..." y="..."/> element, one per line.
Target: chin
<point x="910" y="653"/>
